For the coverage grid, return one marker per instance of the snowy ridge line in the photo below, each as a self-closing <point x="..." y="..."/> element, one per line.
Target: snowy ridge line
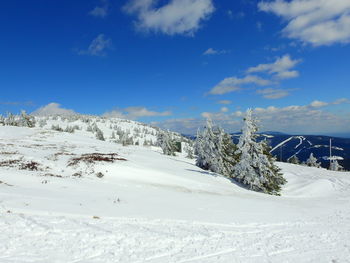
<point x="282" y="143"/>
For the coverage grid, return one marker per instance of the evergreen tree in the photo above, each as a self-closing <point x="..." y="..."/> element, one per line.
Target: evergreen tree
<point x="11" y="120"/>
<point x="26" y="120"/>
<point x="99" y="134"/>
<point x="335" y="166"/>
<point x="215" y="150"/>
<point x="165" y="141"/>
<point x="312" y="161"/>
<point x="2" y="120"/>
<point x="294" y="160"/>
<point x="205" y="148"/>
<point x="255" y="167"/>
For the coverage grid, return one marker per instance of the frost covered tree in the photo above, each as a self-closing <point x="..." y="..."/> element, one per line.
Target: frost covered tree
<point x="255" y="167"/>
<point x="26" y="120"/>
<point x="215" y="150"/>
<point x="2" y="120"/>
<point x="113" y="135"/>
<point x="312" y="161"/>
<point x="335" y="166"/>
<point x="205" y="148"/>
<point x="166" y="142"/>
<point x="99" y="134"/>
<point x="10" y="120"/>
<point x="294" y="160"/>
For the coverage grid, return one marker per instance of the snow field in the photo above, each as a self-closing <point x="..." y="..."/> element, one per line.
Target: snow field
<point x="156" y="208"/>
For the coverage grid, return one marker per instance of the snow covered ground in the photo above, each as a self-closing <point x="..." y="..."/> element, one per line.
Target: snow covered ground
<point x="156" y="208"/>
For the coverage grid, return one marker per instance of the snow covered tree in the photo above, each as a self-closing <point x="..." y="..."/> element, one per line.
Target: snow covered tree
<point x="113" y="135"/>
<point x="312" y="161"/>
<point x="166" y="142"/>
<point x="56" y="128"/>
<point x="215" y="150"/>
<point x="335" y="166"/>
<point x="99" y="134"/>
<point x="205" y="148"/>
<point x="255" y="167"/>
<point x="2" y="120"/>
<point x="26" y="120"/>
<point x="294" y="160"/>
<point x="10" y="120"/>
<point x="227" y="151"/>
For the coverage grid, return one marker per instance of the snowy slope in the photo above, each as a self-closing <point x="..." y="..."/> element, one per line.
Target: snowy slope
<point x="156" y="208"/>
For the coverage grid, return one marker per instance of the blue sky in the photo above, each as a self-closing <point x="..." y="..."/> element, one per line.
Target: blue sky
<point x="174" y="63"/>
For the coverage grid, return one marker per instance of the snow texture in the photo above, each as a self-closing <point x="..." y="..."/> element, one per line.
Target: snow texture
<point x="157" y="208"/>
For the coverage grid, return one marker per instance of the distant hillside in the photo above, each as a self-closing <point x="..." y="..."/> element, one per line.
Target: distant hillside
<point x="285" y="146"/>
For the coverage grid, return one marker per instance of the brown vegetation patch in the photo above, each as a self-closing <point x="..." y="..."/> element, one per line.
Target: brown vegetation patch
<point x="10" y="163"/>
<point x="8" y="153"/>
<point x="96" y="157"/>
<point x="77" y="174"/>
<point x="31" y="166"/>
<point x="22" y="165"/>
<point x="53" y="175"/>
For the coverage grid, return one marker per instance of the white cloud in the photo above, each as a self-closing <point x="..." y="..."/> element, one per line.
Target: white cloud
<point x="175" y="17"/>
<point x="224" y="109"/>
<point x="280" y="69"/>
<point x="100" y="11"/>
<point x="317" y="104"/>
<point x="271" y="93"/>
<point x="225" y="102"/>
<point x="310" y="119"/>
<point x="212" y="51"/>
<point x="234" y="84"/>
<point x="318" y="22"/>
<point x="134" y="113"/>
<point x="53" y="109"/>
<point x="98" y="46"/>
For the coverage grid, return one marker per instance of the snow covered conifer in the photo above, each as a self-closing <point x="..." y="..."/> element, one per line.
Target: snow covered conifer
<point x="215" y="150"/>
<point x="312" y="161"/>
<point x="99" y="134"/>
<point x="165" y="141"/>
<point x="205" y="148"/>
<point x="255" y="167"/>
<point x="26" y="120"/>
<point x="227" y="152"/>
<point x="335" y="166"/>
<point x="294" y="160"/>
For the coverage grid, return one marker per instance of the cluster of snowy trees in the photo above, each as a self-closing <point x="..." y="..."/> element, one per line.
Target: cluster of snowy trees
<point x="312" y="162"/>
<point x="249" y="162"/>
<point x="22" y="120"/>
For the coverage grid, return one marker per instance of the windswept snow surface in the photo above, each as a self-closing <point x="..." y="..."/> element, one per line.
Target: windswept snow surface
<point x="155" y="208"/>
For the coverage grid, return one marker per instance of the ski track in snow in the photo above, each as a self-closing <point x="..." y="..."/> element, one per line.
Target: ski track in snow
<point x="62" y="239"/>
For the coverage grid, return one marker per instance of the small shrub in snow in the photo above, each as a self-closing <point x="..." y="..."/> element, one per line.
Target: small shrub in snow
<point x="56" y="128"/>
<point x="100" y="175"/>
